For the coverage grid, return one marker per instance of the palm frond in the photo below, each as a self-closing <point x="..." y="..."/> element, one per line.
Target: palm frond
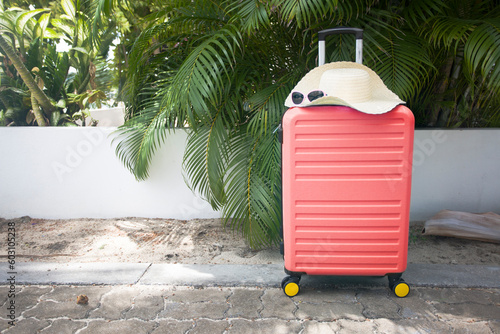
<point x="267" y="105"/>
<point x="203" y="76"/>
<point x="482" y="52"/>
<point x="448" y="31"/>
<point x="205" y="161"/>
<point x="306" y="11"/>
<point x="96" y="10"/>
<point x="140" y="137"/>
<point x="419" y="12"/>
<point x="405" y="65"/>
<point x="141" y="50"/>
<point x="253" y="204"/>
<point x="253" y="14"/>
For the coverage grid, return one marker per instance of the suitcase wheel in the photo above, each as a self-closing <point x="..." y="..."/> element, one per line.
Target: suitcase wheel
<point x="401" y="288"/>
<point x="290" y="286"/>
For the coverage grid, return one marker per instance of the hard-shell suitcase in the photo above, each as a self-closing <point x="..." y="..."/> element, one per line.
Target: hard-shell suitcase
<point x="346" y="190"/>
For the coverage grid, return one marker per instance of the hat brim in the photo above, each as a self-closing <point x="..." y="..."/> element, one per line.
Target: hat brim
<point x="382" y="100"/>
<point x="374" y="106"/>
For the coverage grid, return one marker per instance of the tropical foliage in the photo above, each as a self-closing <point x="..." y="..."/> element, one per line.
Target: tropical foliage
<point x="39" y="84"/>
<point x="224" y="68"/>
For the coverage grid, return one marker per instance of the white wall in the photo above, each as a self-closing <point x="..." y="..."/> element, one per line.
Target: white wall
<point x="455" y="170"/>
<point x="74" y="172"/>
<point x="109" y="117"/>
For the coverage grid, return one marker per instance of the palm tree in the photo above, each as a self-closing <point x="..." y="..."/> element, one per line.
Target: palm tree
<point x="14" y="25"/>
<point x="463" y="39"/>
<point x="28" y="38"/>
<point x="225" y="68"/>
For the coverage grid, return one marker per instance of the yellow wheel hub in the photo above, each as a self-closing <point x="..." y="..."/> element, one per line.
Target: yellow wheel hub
<point x="402" y="289"/>
<point x="291" y="289"/>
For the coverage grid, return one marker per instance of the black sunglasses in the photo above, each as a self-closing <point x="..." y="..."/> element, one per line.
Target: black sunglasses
<point x="298" y="97"/>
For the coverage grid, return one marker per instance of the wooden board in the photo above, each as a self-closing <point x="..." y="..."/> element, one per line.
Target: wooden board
<point x="483" y="226"/>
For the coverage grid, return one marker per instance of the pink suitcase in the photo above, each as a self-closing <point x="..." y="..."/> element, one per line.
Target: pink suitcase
<point x="346" y="193"/>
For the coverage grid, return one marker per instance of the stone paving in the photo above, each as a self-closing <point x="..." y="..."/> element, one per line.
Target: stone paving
<point x="172" y="309"/>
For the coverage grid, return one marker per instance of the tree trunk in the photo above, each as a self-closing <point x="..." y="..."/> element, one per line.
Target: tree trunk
<point x="444" y="117"/>
<point x="28" y="79"/>
<point x="40" y="120"/>
<point x="84" y="84"/>
<point x="439" y="89"/>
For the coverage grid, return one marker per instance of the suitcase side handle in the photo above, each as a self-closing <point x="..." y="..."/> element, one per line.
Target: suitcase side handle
<point x="340" y="30"/>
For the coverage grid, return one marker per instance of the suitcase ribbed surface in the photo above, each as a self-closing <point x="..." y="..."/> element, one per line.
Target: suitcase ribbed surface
<point x="346" y="190"/>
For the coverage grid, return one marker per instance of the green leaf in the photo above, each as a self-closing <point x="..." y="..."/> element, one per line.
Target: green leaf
<point x="69" y="8"/>
<point x="139" y="138"/>
<point x="24" y="18"/>
<point x="405" y="66"/>
<point x="55" y="118"/>
<point x="80" y="49"/>
<point x="267" y="104"/>
<point x="63" y="26"/>
<point x="253" y="197"/>
<point x="61" y="103"/>
<point x="205" y="162"/>
<point x="42" y="24"/>
<point x="51" y="33"/>
<point x="482" y="54"/>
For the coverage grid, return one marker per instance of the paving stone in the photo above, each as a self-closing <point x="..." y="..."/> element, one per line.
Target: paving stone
<point x="28" y="297"/>
<point x="146" y="305"/>
<point x="198" y="295"/>
<point x="463" y="327"/>
<point x="63" y="326"/>
<point x="355" y="327"/>
<point x="389" y="326"/>
<point x="61" y="302"/>
<point x="326" y="296"/>
<point x="467" y="311"/>
<point x="330" y="311"/>
<point x="4" y="324"/>
<point x="410" y="326"/>
<point x="494" y="296"/>
<point x="267" y="326"/>
<point x="209" y="326"/>
<point x="277" y="305"/>
<point x="314" y="327"/>
<point x="377" y="304"/>
<point x="5" y="291"/>
<point x="245" y="303"/>
<point x="453" y="296"/>
<point x="29" y="325"/>
<point x="413" y="307"/>
<point x="183" y="311"/>
<point x="214" y="310"/>
<point x="173" y="327"/>
<point x="118" y="326"/>
<point x="115" y="303"/>
<point x="494" y="325"/>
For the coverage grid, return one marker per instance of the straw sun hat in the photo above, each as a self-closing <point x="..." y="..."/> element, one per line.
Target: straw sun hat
<point x="346" y="84"/>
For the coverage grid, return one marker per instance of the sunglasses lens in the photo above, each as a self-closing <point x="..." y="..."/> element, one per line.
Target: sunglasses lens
<point x="297" y="97"/>
<point x="315" y="94"/>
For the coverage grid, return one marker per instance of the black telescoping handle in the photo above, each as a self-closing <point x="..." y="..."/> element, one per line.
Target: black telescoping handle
<point x="340" y="30"/>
